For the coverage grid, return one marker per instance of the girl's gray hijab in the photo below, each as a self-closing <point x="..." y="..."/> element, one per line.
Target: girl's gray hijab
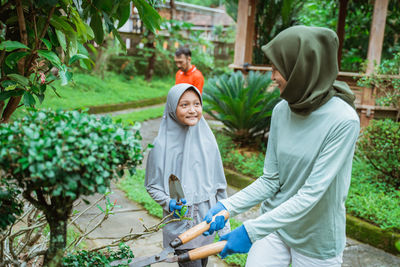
<point x="189" y="152"/>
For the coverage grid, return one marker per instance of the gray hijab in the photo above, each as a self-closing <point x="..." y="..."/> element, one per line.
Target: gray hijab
<point x="189" y="152"/>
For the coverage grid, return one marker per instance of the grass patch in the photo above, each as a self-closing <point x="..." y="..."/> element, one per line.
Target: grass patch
<point x="90" y="90"/>
<point x="141" y="115"/>
<point x="133" y="186"/>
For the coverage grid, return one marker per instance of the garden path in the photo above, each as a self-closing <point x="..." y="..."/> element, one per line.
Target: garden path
<point x="356" y="254"/>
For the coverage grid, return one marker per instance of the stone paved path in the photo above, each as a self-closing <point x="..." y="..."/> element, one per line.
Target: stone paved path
<point x="355" y="255"/>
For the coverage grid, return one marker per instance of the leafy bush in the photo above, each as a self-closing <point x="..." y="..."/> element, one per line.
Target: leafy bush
<point x="380" y="145"/>
<point x="243" y="105"/>
<point x="371" y="200"/>
<point x="57" y="156"/>
<point x="98" y="258"/>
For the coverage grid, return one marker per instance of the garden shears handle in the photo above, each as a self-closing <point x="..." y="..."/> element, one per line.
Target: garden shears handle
<point x="196" y="230"/>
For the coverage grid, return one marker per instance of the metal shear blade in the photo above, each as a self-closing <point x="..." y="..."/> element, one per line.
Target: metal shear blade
<point x="145" y="261"/>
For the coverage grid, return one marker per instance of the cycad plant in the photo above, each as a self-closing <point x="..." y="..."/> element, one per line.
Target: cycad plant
<point x="242" y="104"/>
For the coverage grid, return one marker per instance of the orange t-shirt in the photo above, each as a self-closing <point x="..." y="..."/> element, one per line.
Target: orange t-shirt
<point x="193" y="76"/>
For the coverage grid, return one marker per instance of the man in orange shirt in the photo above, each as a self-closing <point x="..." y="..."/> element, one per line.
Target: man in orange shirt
<point x="187" y="72"/>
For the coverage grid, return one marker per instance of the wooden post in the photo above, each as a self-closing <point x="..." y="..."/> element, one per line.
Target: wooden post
<point x="340" y="28"/>
<point x="374" y="57"/>
<point x="244" y="32"/>
<point x="376" y="34"/>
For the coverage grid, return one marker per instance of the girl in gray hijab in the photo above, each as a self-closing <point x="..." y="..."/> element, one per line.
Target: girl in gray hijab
<point x="185" y="147"/>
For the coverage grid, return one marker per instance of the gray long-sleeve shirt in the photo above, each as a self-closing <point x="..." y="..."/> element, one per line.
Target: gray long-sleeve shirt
<point x="305" y="182"/>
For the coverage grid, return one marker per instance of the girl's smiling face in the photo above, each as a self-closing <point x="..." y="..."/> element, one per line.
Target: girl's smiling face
<point x="189" y="109"/>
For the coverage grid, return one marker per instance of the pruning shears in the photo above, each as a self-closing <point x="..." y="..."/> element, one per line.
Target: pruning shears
<point x="194" y="254"/>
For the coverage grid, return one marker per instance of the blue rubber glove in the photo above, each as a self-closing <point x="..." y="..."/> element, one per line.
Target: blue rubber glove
<point x="238" y="242"/>
<point x="219" y="221"/>
<point x="176" y="208"/>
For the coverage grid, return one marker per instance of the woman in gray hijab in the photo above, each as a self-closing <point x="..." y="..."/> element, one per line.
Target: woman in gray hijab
<point x="307" y="167"/>
<point x="185" y="147"/>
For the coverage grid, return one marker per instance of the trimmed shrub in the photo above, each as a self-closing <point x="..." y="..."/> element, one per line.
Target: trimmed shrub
<point x="380" y="145"/>
<point x="57" y="156"/>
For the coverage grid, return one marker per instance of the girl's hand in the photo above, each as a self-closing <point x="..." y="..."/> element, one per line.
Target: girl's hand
<point x="179" y="209"/>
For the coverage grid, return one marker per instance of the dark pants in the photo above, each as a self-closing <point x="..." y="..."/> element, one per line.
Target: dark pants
<point x="196" y="263"/>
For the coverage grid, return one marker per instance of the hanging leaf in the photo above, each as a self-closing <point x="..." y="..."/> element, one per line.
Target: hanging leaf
<point x="19" y="78"/>
<point x="89" y="31"/>
<point x="13" y="58"/>
<point x="29" y="101"/>
<point x="61" y="40"/>
<point x="65" y="75"/>
<point x="61" y="24"/>
<point x="7" y="94"/>
<point x="77" y="57"/>
<point x="12" y="45"/>
<point x="47" y="43"/>
<point x="123" y="12"/>
<point x="50" y="56"/>
<point x="116" y="33"/>
<point x="97" y="26"/>
<point x="148" y="15"/>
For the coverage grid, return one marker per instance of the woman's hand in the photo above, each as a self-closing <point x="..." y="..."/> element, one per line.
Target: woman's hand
<point x="219" y="221"/>
<point x="238" y="242"/>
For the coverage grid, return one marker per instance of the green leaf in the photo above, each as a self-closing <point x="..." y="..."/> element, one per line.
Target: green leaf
<point x="123" y="12"/>
<point x="19" y="78"/>
<point x="13" y="58"/>
<point x="61" y="40"/>
<point x="7" y="94"/>
<point x="89" y="31"/>
<point x="60" y="23"/>
<point x="77" y="57"/>
<point x="29" y="101"/>
<point x="148" y="15"/>
<point x="40" y="97"/>
<point x="12" y="45"/>
<point x="97" y="25"/>
<point x="50" y="56"/>
<point x="65" y="75"/>
<point x="47" y="43"/>
<point x="116" y="33"/>
<point x="104" y="5"/>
